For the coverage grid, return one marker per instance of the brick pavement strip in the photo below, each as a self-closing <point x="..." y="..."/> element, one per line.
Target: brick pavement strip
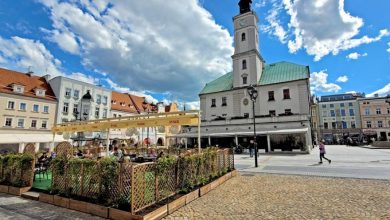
<point x="291" y="197"/>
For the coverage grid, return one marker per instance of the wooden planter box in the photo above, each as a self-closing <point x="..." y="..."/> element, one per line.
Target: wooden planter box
<point x="3" y="189"/>
<point x="61" y="201"/>
<point x="177" y="204"/>
<point x="97" y="210"/>
<point x="157" y="214"/>
<point x="234" y="173"/>
<point x="18" y="191"/>
<point x="192" y="196"/>
<point x="43" y="197"/>
<point x="117" y="214"/>
<point x="222" y="179"/>
<point x="214" y="184"/>
<point x="205" y="189"/>
<point x="78" y="205"/>
<point x="228" y="176"/>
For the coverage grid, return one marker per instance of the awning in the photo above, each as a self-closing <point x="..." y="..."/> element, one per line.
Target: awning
<point x="29" y="138"/>
<point x="245" y="133"/>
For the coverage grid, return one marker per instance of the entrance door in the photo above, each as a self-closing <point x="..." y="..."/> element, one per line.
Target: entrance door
<point x="383" y="136"/>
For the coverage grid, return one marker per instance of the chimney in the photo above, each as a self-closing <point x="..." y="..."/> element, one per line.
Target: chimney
<point x="29" y="72"/>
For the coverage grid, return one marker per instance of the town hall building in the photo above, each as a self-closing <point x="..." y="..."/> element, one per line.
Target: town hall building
<point x="282" y="108"/>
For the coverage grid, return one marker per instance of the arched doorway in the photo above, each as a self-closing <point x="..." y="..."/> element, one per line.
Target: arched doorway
<point x="160" y="142"/>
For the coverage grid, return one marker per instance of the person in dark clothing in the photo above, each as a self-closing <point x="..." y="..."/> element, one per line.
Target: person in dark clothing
<point x="323" y="152"/>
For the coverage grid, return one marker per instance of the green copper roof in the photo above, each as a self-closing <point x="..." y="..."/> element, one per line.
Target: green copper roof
<point x="223" y="83"/>
<point x="272" y="74"/>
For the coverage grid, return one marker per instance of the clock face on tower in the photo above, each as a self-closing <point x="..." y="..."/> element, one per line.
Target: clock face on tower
<point x="242" y="22"/>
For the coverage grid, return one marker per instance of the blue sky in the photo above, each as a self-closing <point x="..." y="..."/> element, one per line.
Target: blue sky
<point x="168" y="50"/>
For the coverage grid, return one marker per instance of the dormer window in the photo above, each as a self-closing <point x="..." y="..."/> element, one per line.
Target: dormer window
<point x="40" y="92"/>
<point x="17" y="88"/>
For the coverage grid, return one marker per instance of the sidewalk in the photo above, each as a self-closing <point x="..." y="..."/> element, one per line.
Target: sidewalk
<point x="349" y="162"/>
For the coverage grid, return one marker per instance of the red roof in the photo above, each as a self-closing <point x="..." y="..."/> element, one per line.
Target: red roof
<point x="130" y="103"/>
<point x="29" y="81"/>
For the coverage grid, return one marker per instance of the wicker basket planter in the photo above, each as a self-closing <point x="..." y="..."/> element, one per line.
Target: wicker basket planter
<point x="97" y="210"/>
<point x="43" y="197"/>
<point x="157" y="214"/>
<point x="61" y="201"/>
<point x="117" y="214"/>
<point x="3" y="189"/>
<point x="192" y="196"/>
<point x="17" y="191"/>
<point x="78" y="205"/>
<point x="177" y="204"/>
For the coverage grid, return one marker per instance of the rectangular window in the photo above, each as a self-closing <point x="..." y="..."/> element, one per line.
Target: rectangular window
<point x="326" y="125"/>
<point x="380" y="124"/>
<point x="68" y="92"/>
<point x="367" y="111"/>
<point x="20" y="123"/>
<point x="104" y="113"/>
<point x="246" y="115"/>
<point x="97" y="112"/>
<point x="368" y="124"/>
<point x="271" y="96"/>
<point x="46" y="109"/>
<point x="213" y="103"/>
<point x="350" y="104"/>
<point x="286" y="94"/>
<point x="341" y="104"/>
<point x="332" y="113"/>
<point x="331" y="105"/>
<point x="114" y="115"/>
<point x="344" y="124"/>
<point x="353" y="124"/>
<point x="105" y="100"/>
<point x="351" y="112"/>
<point x="98" y="99"/>
<point x="8" y="122"/>
<point x="75" y="108"/>
<point x="323" y="105"/>
<point x="272" y="112"/>
<point x="65" y="109"/>
<point x="35" y="108"/>
<point x="287" y="112"/>
<point x="22" y="106"/>
<point x="378" y="110"/>
<point x="224" y="101"/>
<point x="334" y="125"/>
<point x="44" y="124"/>
<point x="388" y="110"/>
<point x="33" y="123"/>
<point x="244" y="80"/>
<point x="342" y="112"/>
<point x="76" y="94"/>
<point x="11" y="105"/>
<point x="325" y="113"/>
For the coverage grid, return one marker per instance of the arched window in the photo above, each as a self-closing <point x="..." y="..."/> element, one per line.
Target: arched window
<point x="244" y="64"/>
<point x="243" y="37"/>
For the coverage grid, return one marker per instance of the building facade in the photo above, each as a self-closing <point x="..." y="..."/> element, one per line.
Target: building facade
<point x="339" y="117"/>
<point x="375" y="118"/>
<point x="282" y="109"/>
<point x="315" y="120"/>
<point x="28" y="111"/>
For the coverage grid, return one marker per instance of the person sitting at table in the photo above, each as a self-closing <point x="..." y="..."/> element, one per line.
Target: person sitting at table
<point x="53" y="155"/>
<point x="152" y="153"/>
<point x="79" y="153"/>
<point x="43" y="158"/>
<point x="117" y="153"/>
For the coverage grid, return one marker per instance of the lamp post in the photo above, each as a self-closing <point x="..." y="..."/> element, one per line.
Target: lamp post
<point x="253" y="94"/>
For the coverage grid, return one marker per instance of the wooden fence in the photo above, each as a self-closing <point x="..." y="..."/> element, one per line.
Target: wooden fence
<point x="17" y="170"/>
<point x="135" y="187"/>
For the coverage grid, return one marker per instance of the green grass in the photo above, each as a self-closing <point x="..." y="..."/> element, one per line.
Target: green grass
<point x="42" y="182"/>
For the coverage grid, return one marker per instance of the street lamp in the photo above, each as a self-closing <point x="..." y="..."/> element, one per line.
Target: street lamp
<point x="80" y="116"/>
<point x="253" y="94"/>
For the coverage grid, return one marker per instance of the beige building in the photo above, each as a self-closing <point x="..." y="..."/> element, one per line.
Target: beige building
<point x="375" y="118"/>
<point x="27" y="111"/>
<point x="315" y="120"/>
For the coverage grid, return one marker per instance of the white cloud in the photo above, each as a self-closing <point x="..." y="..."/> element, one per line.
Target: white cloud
<point x="153" y="47"/>
<point x="342" y="79"/>
<point x="351" y="92"/>
<point x="66" y="41"/>
<point x="322" y="27"/>
<point x="259" y="4"/>
<point x="114" y="86"/>
<point x="274" y="26"/>
<point x="84" y="78"/>
<point x="20" y="53"/>
<point x="355" y="55"/>
<point x="388" y="44"/>
<point x="319" y="83"/>
<point x="381" y="92"/>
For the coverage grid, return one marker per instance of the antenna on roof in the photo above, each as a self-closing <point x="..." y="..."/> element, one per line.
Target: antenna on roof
<point x="29" y="69"/>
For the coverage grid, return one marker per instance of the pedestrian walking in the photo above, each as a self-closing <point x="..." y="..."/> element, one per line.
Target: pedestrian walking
<point x="251" y="148"/>
<point x="323" y="152"/>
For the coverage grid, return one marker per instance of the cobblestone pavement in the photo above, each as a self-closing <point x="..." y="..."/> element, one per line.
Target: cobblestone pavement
<point x="269" y="196"/>
<point x="17" y="208"/>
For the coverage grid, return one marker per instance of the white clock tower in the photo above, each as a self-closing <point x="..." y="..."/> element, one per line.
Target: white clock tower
<point x="247" y="61"/>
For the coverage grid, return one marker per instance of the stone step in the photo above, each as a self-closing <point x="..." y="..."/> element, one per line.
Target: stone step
<point x="31" y="195"/>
